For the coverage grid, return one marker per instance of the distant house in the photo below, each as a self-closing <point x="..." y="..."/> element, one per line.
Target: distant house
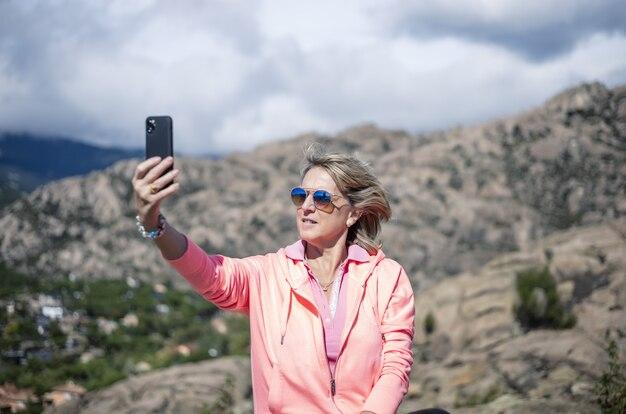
<point x="52" y="312"/>
<point x="42" y="321"/>
<point x="75" y="342"/>
<point x="130" y="320"/>
<point x="163" y="308"/>
<point x="29" y="349"/>
<point x="39" y="352"/>
<point x="10" y="307"/>
<point x="91" y="354"/>
<point x="70" y="322"/>
<point x="49" y="306"/>
<point x="47" y="300"/>
<point x="62" y="394"/>
<point x="159" y="288"/>
<point x="13" y="399"/>
<point x="131" y="282"/>
<point x="107" y="326"/>
<point x="185" y="349"/>
<point x="17" y="356"/>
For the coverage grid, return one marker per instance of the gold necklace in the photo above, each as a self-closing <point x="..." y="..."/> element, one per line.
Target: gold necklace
<point x="324" y="288"/>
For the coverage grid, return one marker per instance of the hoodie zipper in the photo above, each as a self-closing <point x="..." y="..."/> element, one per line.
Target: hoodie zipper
<point x="333" y="382"/>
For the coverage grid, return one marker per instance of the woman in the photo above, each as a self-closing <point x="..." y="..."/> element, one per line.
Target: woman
<point x="331" y="318"/>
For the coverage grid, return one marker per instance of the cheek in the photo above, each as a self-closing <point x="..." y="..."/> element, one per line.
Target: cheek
<point x="333" y="224"/>
<point x="328" y="225"/>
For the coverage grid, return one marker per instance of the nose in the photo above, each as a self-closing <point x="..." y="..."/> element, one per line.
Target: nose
<point x="308" y="204"/>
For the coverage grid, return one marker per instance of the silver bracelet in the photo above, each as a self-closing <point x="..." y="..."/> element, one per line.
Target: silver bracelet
<point x="152" y="234"/>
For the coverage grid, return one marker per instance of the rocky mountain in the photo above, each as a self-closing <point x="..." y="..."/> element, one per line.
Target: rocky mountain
<point x="28" y="161"/>
<point x="473" y="207"/>
<point x="217" y="386"/>
<point x="476" y="359"/>
<point x="460" y="197"/>
<point x="479" y="352"/>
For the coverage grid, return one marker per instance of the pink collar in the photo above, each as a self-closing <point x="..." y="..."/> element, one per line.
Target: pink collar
<point x="356" y="253"/>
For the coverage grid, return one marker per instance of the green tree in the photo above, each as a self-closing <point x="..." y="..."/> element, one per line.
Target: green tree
<point x="429" y="323"/>
<point x="539" y="304"/>
<point x="610" y="389"/>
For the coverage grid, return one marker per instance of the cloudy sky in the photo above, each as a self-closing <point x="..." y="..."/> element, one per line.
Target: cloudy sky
<point x="234" y="74"/>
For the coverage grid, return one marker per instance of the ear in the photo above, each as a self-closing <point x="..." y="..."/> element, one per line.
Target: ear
<point x="353" y="217"/>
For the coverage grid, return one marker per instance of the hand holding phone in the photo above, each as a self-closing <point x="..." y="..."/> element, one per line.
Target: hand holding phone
<point x="160" y="140"/>
<point x="151" y="181"/>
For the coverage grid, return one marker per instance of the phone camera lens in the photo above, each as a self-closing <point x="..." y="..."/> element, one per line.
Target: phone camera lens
<point x="150" y="126"/>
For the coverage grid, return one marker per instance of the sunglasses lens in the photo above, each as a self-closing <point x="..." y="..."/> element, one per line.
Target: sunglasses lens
<point x="322" y="198"/>
<point x="298" y="195"/>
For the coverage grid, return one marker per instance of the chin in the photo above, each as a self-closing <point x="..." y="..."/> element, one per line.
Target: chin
<point x="308" y="235"/>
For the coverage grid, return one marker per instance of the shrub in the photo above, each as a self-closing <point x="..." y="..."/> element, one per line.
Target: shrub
<point x="429" y="323"/>
<point x="12" y="282"/>
<point x="474" y="400"/>
<point x="539" y="304"/>
<point x="105" y="298"/>
<point x="455" y="181"/>
<point x="56" y="334"/>
<point x="225" y="399"/>
<point x="610" y="389"/>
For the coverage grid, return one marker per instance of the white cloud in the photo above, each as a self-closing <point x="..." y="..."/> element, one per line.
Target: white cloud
<point x="277" y="117"/>
<point x="235" y="74"/>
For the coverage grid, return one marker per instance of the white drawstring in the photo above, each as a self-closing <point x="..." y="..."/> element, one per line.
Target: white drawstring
<point x="285" y="315"/>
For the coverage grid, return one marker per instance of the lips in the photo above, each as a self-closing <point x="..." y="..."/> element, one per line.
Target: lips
<point x="309" y="221"/>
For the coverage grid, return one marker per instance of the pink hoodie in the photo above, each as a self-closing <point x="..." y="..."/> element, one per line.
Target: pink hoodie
<point x="290" y="371"/>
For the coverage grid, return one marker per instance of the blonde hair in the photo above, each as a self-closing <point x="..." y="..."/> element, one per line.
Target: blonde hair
<point x="356" y="180"/>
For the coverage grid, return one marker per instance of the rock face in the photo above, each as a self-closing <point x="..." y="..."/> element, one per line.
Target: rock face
<point x="459" y="197"/>
<point x="212" y="386"/>
<point x="479" y="352"/>
<point x="472" y="206"/>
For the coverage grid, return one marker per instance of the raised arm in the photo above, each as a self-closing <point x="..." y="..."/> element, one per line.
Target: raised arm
<point x="222" y="280"/>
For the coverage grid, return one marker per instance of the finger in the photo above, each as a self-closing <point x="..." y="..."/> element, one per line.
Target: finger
<point x="162" y="181"/>
<point x="152" y="189"/>
<point x="144" y="167"/>
<point x="165" y="192"/>
<point x="158" y="169"/>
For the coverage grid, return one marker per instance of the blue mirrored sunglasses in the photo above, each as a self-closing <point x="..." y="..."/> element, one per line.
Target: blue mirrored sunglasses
<point x="322" y="199"/>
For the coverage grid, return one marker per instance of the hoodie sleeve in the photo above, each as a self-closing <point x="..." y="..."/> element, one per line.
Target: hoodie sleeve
<point x="225" y="281"/>
<point x="397" y="328"/>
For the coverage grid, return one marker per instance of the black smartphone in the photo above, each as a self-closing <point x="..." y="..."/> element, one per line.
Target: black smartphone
<point x="160" y="139"/>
